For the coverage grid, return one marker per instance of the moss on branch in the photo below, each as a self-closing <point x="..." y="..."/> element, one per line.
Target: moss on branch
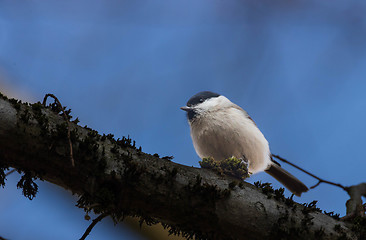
<point x="113" y="176"/>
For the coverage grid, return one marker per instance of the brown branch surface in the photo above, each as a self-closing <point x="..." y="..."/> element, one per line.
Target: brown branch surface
<point x="116" y="177"/>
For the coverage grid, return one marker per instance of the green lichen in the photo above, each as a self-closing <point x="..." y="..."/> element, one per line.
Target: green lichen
<point x="277" y="194"/>
<point x="266" y="188"/>
<point x="114" y="149"/>
<point x="3" y="96"/>
<point x="359" y="227"/>
<point x="25" y="116"/>
<point x="207" y="191"/>
<point x="337" y="228"/>
<point x="332" y="214"/>
<point x="102" y="198"/>
<point x="173" y="172"/>
<point x="165" y="176"/>
<point x="16" y="103"/>
<point x="89" y="146"/>
<point x="132" y="170"/>
<point x="3" y="175"/>
<point x="60" y="131"/>
<point x="341" y="233"/>
<point x="94" y="134"/>
<point x="105" y="196"/>
<point x="41" y="118"/>
<point x="319" y="234"/>
<point x="210" y="163"/>
<point x="179" y="230"/>
<point x="58" y="109"/>
<point x="75" y="121"/>
<point x="28" y="186"/>
<point x="287" y="227"/>
<point x="108" y="195"/>
<point x="310" y="207"/>
<point x="231" y="166"/>
<point x="102" y="192"/>
<point x="88" y="152"/>
<point x="232" y="184"/>
<point x="199" y="195"/>
<point x="169" y="158"/>
<point x="126" y="142"/>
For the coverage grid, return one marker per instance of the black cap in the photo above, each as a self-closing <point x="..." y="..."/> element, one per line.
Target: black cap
<point x="201" y="97"/>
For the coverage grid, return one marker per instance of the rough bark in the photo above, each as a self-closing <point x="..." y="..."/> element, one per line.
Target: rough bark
<point x="112" y="176"/>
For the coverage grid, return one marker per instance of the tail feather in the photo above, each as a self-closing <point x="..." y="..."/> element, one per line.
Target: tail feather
<point x="287" y="179"/>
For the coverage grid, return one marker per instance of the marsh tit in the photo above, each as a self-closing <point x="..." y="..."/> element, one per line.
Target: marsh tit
<point x="221" y="129"/>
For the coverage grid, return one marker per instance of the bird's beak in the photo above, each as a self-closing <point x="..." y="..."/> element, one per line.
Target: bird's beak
<point x="185" y="108"/>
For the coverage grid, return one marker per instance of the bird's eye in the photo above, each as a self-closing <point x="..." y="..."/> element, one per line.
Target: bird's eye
<point x="201" y="100"/>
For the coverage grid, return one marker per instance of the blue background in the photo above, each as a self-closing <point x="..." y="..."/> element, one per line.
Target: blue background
<point x="125" y="67"/>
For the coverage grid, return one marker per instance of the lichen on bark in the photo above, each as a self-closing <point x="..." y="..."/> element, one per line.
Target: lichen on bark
<point x="115" y="177"/>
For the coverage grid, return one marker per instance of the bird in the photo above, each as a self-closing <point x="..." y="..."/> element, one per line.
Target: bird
<point x="221" y="129"/>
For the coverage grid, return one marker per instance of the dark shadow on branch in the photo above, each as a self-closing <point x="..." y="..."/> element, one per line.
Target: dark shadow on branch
<point x="66" y="119"/>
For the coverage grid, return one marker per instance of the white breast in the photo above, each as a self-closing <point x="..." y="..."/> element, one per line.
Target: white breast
<point x="230" y="132"/>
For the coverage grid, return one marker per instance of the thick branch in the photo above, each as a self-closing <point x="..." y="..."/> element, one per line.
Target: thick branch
<point x="116" y="177"/>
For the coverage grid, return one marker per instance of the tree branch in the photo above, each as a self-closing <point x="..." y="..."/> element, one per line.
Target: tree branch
<point x="114" y="176"/>
<point x="92" y="225"/>
<point x="354" y="205"/>
<point x="10" y="172"/>
<point x="310" y="174"/>
<point x="67" y="121"/>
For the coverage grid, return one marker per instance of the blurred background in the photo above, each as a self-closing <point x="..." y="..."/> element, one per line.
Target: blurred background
<point x="125" y="67"/>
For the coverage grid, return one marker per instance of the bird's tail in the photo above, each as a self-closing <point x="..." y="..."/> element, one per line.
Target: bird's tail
<point x="287" y="179"/>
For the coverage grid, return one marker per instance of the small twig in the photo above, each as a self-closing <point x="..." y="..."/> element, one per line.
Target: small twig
<point x="95" y="221"/>
<point x="354" y="205"/>
<point x="10" y="172"/>
<point x="66" y="119"/>
<point x="318" y="178"/>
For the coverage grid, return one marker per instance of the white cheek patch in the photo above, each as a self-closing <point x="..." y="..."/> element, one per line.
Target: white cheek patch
<point x="213" y="103"/>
